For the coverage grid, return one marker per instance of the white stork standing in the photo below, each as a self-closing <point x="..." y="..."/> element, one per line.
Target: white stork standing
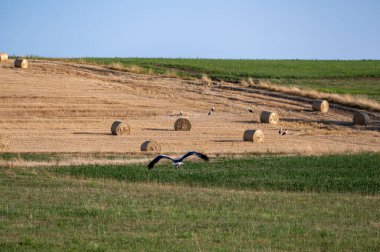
<point x="282" y="132"/>
<point x="211" y="111"/>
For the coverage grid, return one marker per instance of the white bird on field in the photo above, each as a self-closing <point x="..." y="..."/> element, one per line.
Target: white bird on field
<point x="250" y="110"/>
<point x="211" y="110"/>
<point x="177" y="162"/>
<point x="180" y="113"/>
<point x="282" y="132"/>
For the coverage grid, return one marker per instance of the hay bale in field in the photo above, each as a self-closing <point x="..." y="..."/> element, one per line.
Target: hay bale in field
<point x="5" y="143"/>
<point x="120" y="128"/>
<point x="153" y="146"/>
<point x="254" y="136"/>
<point x="182" y="124"/>
<point x="269" y="117"/>
<point x="361" y="118"/>
<point x="21" y="63"/>
<point x="3" y="57"/>
<point x="321" y="106"/>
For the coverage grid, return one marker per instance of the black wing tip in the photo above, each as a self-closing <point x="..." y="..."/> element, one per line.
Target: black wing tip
<point x="156" y="159"/>
<point x="151" y="164"/>
<point x="202" y="156"/>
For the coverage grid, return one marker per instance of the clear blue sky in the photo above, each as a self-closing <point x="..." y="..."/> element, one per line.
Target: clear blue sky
<point x="251" y="29"/>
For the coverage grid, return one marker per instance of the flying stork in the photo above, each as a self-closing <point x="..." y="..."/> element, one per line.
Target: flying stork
<point x="177" y="162"/>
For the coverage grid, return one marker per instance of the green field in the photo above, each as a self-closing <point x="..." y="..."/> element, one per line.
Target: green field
<point x="356" y="77"/>
<point x="320" y="174"/>
<point x="265" y="203"/>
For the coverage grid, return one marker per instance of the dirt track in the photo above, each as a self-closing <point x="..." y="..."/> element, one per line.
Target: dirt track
<point x="66" y="107"/>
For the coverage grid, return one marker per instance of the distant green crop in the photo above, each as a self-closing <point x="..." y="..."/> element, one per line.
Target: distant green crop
<point x="234" y="70"/>
<point x="355" y="77"/>
<point x="27" y="156"/>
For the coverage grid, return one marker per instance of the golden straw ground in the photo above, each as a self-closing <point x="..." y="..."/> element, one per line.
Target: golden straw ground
<point x="66" y="107"/>
<point x="5" y="143"/>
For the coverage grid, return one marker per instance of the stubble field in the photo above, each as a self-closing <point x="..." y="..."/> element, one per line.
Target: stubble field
<point x="59" y="107"/>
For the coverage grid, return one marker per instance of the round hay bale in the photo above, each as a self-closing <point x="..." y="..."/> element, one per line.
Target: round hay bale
<point x="182" y="124"/>
<point x="120" y="128"/>
<point x="3" y="57"/>
<point x="5" y="143"/>
<point x="321" y="106"/>
<point x="153" y="146"/>
<point x="269" y="117"/>
<point x="21" y="63"/>
<point x="254" y="136"/>
<point x="361" y="118"/>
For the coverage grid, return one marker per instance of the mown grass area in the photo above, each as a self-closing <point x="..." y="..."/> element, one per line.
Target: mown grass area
<point x="27" y="156"/>
<point x="101" y="208"/>
<point x="355" y="77"/>
<point x="337" y="173"/>
<point x="63" y="156"/>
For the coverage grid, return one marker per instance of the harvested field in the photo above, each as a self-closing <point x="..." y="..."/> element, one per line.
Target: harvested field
<point x="68" y="108"/>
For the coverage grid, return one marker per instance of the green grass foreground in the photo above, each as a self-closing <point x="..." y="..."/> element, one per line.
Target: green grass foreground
<point x="102" y="208"/>
<point x="355" y="77"/>
<point x="347" y="173"/>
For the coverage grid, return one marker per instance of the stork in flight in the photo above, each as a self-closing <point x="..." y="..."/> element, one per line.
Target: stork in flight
<point x="177" y="162"/>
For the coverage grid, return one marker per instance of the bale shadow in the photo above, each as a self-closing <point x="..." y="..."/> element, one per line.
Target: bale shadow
<point x="227" y="141"/>
<point x="329" y="122"/>
<point x="157" y="129"/>
<point x="93" y="133"/>
<point x="372" y="126"/>
<point x="246" y="121"/>
<point x="301" y="110"/>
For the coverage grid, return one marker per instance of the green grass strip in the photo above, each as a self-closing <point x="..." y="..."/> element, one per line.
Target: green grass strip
<point x="336" y="173"/>
<point x="234" y="70"/>
<point x="27" y="156"/>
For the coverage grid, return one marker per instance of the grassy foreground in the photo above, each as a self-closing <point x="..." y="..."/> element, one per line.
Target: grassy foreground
<point x="355" y="77"/>
<point x="350" y="173"/>
<point x="98" y="208"/>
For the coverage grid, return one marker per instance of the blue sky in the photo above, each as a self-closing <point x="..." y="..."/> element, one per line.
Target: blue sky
<point x="256" y="29"/>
